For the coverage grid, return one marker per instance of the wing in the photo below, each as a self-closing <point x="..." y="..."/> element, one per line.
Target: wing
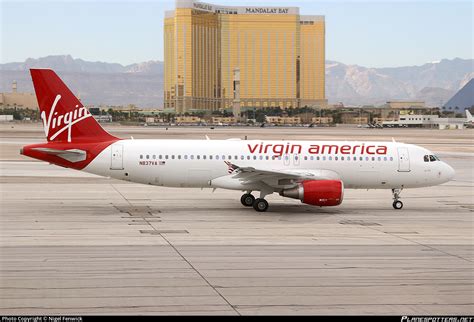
<point x="274" y="178"/>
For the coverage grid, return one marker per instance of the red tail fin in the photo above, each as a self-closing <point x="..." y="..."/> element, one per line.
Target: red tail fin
<point x="64" y="117"/>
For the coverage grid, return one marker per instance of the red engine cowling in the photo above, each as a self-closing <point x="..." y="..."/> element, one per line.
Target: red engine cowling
<point x="321" y="193"/>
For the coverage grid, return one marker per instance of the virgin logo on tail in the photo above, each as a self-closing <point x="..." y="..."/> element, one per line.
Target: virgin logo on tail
<point x="62" y="122"/>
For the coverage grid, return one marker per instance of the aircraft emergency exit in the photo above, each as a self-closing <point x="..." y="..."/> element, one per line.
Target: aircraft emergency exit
<point x="315" y="172"/>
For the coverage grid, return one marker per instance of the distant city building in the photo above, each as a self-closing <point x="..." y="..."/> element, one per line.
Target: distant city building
<point x="16" y="99"/>
<point x="188" y="119"/>
<point x="223" y="120"/>
<point x="103" y="118"/>
<point x="420" y="120"/>
<point x="463" y="99"/>
<point x="406" y="104"/>
<point x="279" y="53"/>
<point x="322" y="120"/>
<point x="6" y="118"/>
<point x="282" y="120"/>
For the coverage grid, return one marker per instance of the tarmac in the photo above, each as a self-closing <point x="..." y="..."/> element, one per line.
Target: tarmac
<point x="78" y="244"/>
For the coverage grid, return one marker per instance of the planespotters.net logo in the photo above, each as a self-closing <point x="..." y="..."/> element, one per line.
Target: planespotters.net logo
<point x="437" y="319"/>
<point x="62" y="122"/>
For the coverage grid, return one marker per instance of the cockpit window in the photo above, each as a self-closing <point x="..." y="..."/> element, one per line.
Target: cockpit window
<point x="430" y="158"/>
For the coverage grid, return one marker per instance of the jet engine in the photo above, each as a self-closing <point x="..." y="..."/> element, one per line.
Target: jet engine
<point x="321" y="193"/>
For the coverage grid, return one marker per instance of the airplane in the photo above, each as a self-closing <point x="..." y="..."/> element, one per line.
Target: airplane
<point x="315" y="172"/>
<point x="468" y="120"/>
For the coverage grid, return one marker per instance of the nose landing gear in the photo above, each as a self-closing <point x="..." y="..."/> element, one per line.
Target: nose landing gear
<point x="397" y="204"/>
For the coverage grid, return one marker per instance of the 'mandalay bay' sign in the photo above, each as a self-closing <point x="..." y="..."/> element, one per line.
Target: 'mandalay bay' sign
<point x="267" y="10"/>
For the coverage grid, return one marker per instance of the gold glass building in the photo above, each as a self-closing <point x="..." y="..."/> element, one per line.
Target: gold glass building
<point x="280" y="55"/>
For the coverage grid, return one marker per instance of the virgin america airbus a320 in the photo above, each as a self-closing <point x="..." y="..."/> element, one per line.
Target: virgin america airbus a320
<point x="315" y="172"/>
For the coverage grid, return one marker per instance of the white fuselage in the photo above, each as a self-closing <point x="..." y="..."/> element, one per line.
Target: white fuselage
<point x="198" y="163"/>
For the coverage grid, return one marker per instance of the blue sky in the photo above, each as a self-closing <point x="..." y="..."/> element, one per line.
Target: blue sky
<point x="378" y="33"/>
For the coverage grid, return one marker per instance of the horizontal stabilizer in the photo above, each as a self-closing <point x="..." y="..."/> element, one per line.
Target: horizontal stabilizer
<point x="73" y="155"/>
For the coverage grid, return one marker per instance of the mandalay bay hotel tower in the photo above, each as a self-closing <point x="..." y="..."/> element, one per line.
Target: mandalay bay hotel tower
<point x="270" y="56"/>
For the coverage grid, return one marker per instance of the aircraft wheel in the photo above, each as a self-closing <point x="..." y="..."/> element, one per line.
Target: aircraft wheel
<point x="260" y="205"/>
<point x="247" y="200"/>
<point x="397" y="204"/>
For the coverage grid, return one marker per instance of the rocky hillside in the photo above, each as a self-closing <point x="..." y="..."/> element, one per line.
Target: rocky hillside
<point x="142" y="83"/>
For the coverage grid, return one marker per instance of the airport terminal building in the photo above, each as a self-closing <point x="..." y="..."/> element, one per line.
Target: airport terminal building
<point x="277" y="55"/>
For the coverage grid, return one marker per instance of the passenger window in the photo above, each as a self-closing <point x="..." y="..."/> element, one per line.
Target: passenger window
<point x="147" y="156"/>
<point x="210" y="157"/>
<point x="248" y="157"/>
<point x="192" y="156"/>
<point x="185" y="157"/>
<point x="230" y="157"/>
<point x="179" y="157"/>
<point x="154" y="156"/>
<point x="141" y="156"/>
<point x="242" y="157"/>
<point x="236" y="157"/>
<point x="373" y="158"/>
<point x="172" y="157"/>
<point x="204" y="157"/>
<point x="391" y="158"/>
<point x="217" y="157"/>
<point x="261" y="157"/>
<point x="305" y="158"/>
<point x="198" y="157"/>
<point x="266" y="157"/>
<point x="336" y="158"/>
<point x="255" y="157"/>
<point x="426" y="158"/>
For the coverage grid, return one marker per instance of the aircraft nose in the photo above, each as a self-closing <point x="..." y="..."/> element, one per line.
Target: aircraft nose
<point x="449" y="172"/>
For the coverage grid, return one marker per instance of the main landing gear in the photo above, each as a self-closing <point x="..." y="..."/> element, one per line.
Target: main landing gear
<point x="397" y="204"/>
<point x="259" y="204"/>
<point x="247" y="199"/>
